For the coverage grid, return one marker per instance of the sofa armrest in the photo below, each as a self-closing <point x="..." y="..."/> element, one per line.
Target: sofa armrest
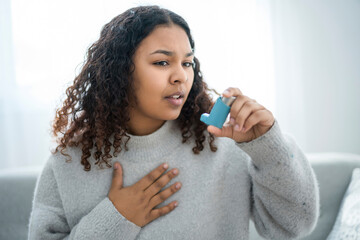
<point x="16" y="191"/>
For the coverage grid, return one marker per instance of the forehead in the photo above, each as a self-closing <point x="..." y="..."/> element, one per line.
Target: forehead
<point x="172" y="38"/>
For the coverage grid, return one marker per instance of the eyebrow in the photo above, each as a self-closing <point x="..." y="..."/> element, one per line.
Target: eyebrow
<point x="168" y="53"/>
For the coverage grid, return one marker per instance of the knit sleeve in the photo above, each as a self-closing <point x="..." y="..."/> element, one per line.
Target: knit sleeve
<point x="285" y="195"/>
<point x="48" y="219"/>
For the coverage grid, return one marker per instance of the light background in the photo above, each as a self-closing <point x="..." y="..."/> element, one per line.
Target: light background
<point x="300" y="59"/>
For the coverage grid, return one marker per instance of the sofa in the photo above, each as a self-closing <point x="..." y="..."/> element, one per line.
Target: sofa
<point x="333" y="171"/>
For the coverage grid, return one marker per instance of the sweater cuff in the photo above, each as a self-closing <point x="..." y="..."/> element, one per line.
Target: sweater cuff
<point x="264" y="147"/>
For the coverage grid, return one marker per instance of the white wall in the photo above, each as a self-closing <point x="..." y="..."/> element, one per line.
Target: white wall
<point x="315" y="44"/>
<point x="50" y="38"/>
<point x="317" y="72"/>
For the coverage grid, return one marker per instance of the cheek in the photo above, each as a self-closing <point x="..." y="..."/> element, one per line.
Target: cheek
<point x="149" y="93"/>
<point x="150" y="83"/>
<point x="190" y="83"/>
<point x="152" y="89"/>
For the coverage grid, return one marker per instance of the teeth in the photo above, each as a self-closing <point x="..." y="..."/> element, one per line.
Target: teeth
<point x="176" y="96"/>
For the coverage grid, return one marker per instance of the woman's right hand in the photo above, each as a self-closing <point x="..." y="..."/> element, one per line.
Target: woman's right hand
<point x="137" y="202"/>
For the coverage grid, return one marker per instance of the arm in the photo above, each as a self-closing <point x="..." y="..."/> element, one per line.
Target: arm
<point x="285" y="195"/>
<point x="48" y="220"/>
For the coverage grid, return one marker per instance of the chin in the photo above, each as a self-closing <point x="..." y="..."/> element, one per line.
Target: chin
<point x="172" y="116"/>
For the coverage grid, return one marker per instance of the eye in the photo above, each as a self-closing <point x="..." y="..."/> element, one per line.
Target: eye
<point x="188" y="64"/>
<point x="162" y="63"/>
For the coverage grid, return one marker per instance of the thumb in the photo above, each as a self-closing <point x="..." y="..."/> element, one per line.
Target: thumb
<point x="117" y="180"/>
<point x="214" y="130"/>
<point x="225" y="131"/>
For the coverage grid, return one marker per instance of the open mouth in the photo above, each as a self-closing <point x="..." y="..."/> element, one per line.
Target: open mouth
<point x="175" y="96"/>
<point x="175" y="100"/>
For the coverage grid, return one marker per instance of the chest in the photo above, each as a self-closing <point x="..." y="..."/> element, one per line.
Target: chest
<point x="212" y="187"/>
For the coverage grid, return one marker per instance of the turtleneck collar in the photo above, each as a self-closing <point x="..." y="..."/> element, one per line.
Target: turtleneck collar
<point x="159" y="143"/>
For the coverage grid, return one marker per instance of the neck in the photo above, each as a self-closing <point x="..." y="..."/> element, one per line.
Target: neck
<point x="141" y="128"/>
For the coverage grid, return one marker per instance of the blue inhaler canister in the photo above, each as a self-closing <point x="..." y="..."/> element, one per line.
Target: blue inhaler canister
<point x="219" y="112"/>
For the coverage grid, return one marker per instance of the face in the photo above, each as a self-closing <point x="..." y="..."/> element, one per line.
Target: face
<point x="163" y="76"/>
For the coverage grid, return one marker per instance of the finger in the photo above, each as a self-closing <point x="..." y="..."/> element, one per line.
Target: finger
<point x="162" y="196"/>
<point x="117" y="180"/>
<point x="151" y="177"/>
<point x="229" y="92"/>
<point x="237" y="105"/>
<point x="214" y="130"/>
<point x="161" y="182"/>
<point x="225" y="131"/>
<point x="245" y="112"/>
<point x="261" y="116"/>
<point x="158" y="212"/>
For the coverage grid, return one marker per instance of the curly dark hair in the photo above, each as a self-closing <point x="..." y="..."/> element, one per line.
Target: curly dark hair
<point x="98" y="101"/>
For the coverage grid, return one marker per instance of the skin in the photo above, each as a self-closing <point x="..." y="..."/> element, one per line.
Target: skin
<point x="248" y="119"/>
<point x="156" y="76"/>
<point x="159" y="74"/>
<point x="137" y="202"/>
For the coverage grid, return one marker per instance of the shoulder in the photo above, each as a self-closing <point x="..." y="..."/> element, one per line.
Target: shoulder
<point x="70" y="159"/>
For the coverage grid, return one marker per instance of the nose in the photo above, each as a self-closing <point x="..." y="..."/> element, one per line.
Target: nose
<point x="179" y="75"/>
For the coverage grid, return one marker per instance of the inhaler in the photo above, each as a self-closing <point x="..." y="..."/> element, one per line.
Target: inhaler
<point x="219" y="112"/>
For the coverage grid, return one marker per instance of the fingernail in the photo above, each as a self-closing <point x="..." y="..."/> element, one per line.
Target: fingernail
<point x="176" y="204"/>
<point x="243" y="129"/>
<point x="237" y="128"/>
<point x="175" y="171"/>
<point x="165" y="166"/>
<point x="232" y="121"/>
<point x="116" y="166"/>
<point x="177" y="186"/>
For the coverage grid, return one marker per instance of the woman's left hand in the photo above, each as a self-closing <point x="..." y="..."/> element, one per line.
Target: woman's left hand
<point x="248" y="119"/>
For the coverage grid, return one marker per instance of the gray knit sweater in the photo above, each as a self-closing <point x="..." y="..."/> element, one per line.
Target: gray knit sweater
<point x="268" y="180"/>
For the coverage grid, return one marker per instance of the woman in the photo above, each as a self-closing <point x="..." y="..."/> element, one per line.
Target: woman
<point x="134" y="111"/>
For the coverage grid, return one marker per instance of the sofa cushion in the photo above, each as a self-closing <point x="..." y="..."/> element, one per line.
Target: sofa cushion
<point x="347" y="225"/>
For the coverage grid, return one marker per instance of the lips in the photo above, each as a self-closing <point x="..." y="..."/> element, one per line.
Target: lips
<point x="176" y="95"/>
<point x="176" y="99"/>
